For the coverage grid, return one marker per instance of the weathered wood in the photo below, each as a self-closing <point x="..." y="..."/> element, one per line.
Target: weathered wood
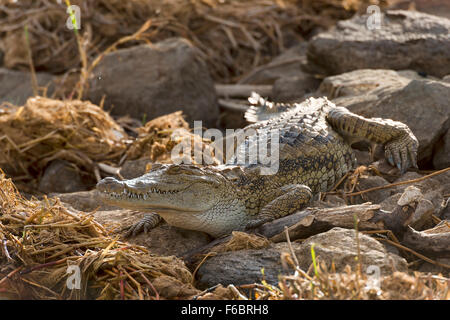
<point x="396" y="221"/>
<point x="313" y="221"/>
<point x="242" y="90"/>
<point x="233" y="105"/>
<point x="432" y="242"/>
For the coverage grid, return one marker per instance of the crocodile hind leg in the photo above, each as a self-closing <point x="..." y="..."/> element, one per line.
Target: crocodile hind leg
<point x="148" y="222"/>
<point x="288" y="199"/>
<point x="399" y="142"/>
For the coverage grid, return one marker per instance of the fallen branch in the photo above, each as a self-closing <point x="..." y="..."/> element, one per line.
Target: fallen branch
<point x="242" y="90"/>
<point x="233" y="106"/>
<point x="312" y="221"/>
<point x="392" y="184"/>
<point x="433" y="244"/>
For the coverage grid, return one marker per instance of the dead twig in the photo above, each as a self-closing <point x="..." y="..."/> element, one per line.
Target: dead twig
<point x="393" y="184"/>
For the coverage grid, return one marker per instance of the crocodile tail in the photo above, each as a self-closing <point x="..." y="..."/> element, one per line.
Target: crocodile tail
<point x="261" y="109"/>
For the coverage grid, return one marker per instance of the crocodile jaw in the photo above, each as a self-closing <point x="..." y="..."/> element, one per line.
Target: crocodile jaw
<point x="149" y="197"/>
<point x="192" y="203"/>
<point x="173" y="188"/>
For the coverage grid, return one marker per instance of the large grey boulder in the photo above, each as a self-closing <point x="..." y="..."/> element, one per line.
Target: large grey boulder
<point x="406" y="40"/>
<point x="404" y="96"/>
<point x="337" y="245"/>
<point x="62" y="176"/>
<point x="441" y="157"/>
<point x="340" y="246"/>
<point x="287" y="64"/>
<point x="242" y="267"/>
<point x="293" y="89"/>
<point x="148" y="81"/>
<point x="16" y="86"/>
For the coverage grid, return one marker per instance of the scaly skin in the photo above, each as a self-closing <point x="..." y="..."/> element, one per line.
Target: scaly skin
<point x="314" y="153"/>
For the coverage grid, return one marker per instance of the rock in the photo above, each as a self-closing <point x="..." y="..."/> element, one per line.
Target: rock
<point x="60" y="176"/>
<point x="437" y="183"/>
<point x="388" y="172"/>
<point x="406" y="40"/>
<point x="445" y="215"/>
<point x="428" y="268"/>
<point x="134" y="168"/>
<point x="232" y="119"/>
<point x="167" y="240"/>
<point x="292" y="89"/>
<point x="389" y="204"/>
<point x="339" y="245"/>
<point x="331" y="201"/>
<point x="367" y="83"/>
<point x="242" y="267"/>
<point x="363" y="158"/>
<point x="153" y="80"/>
<point x="411" y="194"/>
<point x="376" y="196"/>
<point x="446" y="78"/>
<point x="16" y="86"/>
<point x="422" y="104"/>
<point x="219" y="293"/>
<point x="424" y="208"/>
<point x="436" y="7"/>
<point x="437" y="199"/>
<point x="163" y="240"/>
<point x="171" y="288"/>
<point x="441" y="158"/>
<point x="288" y="64"/>
<point x="406" y="177"/>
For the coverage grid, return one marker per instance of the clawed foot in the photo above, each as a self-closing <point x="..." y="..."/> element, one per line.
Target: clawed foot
<point x="402" y="152"/>
<point x="148" y="222"/>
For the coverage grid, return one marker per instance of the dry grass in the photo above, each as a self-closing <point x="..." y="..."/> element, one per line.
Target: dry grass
<point x="357" y="285"/>
<point x="233" y="35"/>
<point x="40" y="240"/>
<point x="33" y="135"/>
<point x="44" y="129"/>
<point x="326" y="284"/>
<point x="157" y="138"/>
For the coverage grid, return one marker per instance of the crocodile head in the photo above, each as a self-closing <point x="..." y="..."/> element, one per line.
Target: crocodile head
<point x="168" y="188"/>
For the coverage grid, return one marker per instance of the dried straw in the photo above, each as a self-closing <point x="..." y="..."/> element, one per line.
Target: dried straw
<point x="234" y="35"/>
<point x="44" y="129"/>
<point x="42" y="239"/>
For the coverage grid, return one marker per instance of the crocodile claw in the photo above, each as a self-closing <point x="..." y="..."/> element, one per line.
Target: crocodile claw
<point x="402" y="152"/>
<point x="148" y="222"/>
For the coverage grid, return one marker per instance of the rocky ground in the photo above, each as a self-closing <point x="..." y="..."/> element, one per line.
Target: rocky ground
<point x="400" y="71"/>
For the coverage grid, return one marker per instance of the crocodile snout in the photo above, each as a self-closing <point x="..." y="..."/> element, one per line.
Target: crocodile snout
<point x="110" y="184"/>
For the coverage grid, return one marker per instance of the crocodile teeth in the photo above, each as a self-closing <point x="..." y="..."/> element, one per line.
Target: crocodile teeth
<point x="134" y="195"/>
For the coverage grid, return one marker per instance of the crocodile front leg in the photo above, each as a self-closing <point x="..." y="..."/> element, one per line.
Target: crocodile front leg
<point x="399" y="142"/>
<point x="148" y="222"/>
<point x="288" y="199"/>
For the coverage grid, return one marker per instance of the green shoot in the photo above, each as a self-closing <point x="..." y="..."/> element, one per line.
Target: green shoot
<point x="313" y="256"/>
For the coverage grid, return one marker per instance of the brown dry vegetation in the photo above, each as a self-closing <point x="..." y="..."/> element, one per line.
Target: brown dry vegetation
<point x="41" y="239"/>
<point x="234" y="36"/>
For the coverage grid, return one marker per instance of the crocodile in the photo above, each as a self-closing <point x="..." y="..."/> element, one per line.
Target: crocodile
<point x="315" y="152"/>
